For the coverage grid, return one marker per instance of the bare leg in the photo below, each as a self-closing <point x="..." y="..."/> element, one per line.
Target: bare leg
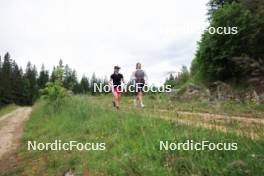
<point x="137" y="100"/>
<point x="115" y="99"/>
<point x="118" y="99"/>
<point x="140" y="96"/>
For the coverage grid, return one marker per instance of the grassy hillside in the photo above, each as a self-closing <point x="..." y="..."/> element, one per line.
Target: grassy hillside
<point x="132" y="143"/>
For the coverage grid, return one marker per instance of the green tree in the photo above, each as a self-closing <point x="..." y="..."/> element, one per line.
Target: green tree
<point x="215" y="56"/>
<point x="69" y="78"/>
<point x="214" y="5"/>
<point x="94" y="81"/>
<point x="43" y="77"/>
<point x="180" y="79"/>
<point x="170" y="81"/>
<point x="84" y="85"/>
<point x="17" y="84"/>
<point x="53" y="76"/>
<point x="54" y="91"/>
<point x="6" y="80"/>
<point x="31" y="77"/>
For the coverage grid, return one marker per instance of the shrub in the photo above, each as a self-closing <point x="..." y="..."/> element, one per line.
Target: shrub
<point x="54" y="91"/>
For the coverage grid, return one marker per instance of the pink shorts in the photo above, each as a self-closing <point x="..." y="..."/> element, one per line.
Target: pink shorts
<point x="117" y="90"/>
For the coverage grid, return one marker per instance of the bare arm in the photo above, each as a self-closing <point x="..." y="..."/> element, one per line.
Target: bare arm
<point x="123" y="80"/>
<point x="132" y="78"/>
<point x="110" y="81"/>
<point x="145" y="76"/>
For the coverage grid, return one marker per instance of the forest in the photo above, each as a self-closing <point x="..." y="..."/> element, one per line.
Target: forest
<point x="23" y="87"/>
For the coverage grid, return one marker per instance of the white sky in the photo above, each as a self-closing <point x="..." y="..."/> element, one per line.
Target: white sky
<point x="94" y="35"/>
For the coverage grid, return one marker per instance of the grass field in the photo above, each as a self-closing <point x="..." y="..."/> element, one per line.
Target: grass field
<point x="133" y="136"/>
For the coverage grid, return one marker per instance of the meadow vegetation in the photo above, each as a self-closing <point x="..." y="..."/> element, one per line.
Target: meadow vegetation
<point x="132" y="142"/>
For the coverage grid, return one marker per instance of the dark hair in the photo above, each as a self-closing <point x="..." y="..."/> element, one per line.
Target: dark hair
<point x="116" y="67"/>
<point x="137" y="65"/>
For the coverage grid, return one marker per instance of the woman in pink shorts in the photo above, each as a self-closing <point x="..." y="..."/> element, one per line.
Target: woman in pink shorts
<point x="115" y="80"/>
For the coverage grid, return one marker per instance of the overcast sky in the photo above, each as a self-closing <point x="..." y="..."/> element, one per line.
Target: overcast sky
<point x="94" y="35"/>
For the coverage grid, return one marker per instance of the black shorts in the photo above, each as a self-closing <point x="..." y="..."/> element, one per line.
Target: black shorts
<point x="139" y="86"/>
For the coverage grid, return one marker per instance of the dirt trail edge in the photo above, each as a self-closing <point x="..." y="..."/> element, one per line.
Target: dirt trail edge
<point x="11" y="128"/>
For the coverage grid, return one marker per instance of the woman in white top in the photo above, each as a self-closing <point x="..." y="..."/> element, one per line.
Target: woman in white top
<point x="139" y="77"/>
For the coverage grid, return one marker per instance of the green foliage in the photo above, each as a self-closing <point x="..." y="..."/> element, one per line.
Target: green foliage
<point x="214" y="5"/>
<point x="215" y="58"/>
<point x="23" y="88"/>
<point x="180" y="79"/>
<point x="43" y="77"/>
<point x="84" y="85"/>
<point x="54" y="91"/>
<point x="17" y="87"/>
<point x="69" y="78"/>
<point x="31" y="77"/>
<point x="6" y="86"/>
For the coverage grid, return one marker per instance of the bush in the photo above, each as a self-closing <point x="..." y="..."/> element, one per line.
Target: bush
<point x="54" y="91"/>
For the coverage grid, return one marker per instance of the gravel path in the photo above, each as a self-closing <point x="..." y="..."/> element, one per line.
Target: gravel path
<point x="11" y="128"/>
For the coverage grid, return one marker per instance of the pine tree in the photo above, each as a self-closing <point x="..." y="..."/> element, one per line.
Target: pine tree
<point x="67" y="77"/>
<point x="70" y="78"/>
<point x="43" y="77"/>
<point x="73" y="81"/>
<point x="25" y="91"/>
<point x="53" y="76"/>
<point x="84" y="85"/>
<point x="6" y="80"/>
<point x="94" y="81"/>
<point x="16" y="83"/>
<point x="31" y="77"/>
<point x="61" y="66"/>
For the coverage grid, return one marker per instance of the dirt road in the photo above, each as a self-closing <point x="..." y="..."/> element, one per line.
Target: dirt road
<point x="11" y="128"/>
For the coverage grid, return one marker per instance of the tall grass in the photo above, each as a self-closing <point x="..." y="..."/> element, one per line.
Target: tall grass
<point x="132" y="144"/>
